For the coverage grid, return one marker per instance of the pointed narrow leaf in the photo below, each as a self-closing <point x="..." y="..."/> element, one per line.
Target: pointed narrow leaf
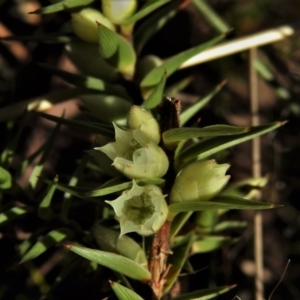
<point x="210" y="243"/>
<point x="116" y="50"/>
<point x="177" y="87"/>
<point x="104" y="129"/>
<point x="154" y="23"/>
<point x="187" y="114"/>
<point x="52" y="238"/>
<point x="173" y="63"/>
<point x="207" y="147"/>
<point x="206" y="294"/>
<point x="44" y="210"/>
<point x="8" y="153"/>
<point x="220" y="202"/>
<point x="227" y="225"/>
<point x="13" y="213"/>
<point x="122" y="186"/>
<point x="114" y="262"/>
<point x="109" y="240"/>
<point x="157" y="95"/>
<point x="63" y="5"/>
<point x="185" y="133"/>
<point x="145" y="10"/>
<point x="5" y="179"/>
<point x="124" y="293"/>
<point x="87" y="82"/>
<point x="37" y="170"/>
<point x="177" y="261"/>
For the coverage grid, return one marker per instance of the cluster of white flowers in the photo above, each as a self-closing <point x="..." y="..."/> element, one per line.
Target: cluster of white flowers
<point x="136" y="153"/>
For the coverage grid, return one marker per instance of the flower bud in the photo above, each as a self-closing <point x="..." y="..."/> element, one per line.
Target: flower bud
<point x="141" y="209"/>
<point x="141" y="118"/>
<point x="85" y="26"/>
<point x="135" y="156"/>
<point x="199" y="181"/>
<point x="118" y="11"/>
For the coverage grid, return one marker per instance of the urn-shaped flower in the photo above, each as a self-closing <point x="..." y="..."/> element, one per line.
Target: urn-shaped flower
<point x="199" y="181"/>
<point x="141" y="209"/>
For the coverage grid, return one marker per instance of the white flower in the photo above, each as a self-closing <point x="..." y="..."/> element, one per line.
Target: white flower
<point x="141" y="209"/>
<point x="135" y="156"/>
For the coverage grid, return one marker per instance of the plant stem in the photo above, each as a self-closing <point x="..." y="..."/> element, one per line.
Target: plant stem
<point x="160" y="249"/>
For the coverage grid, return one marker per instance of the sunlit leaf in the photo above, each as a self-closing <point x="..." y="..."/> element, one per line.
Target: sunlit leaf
<point x="113" y="261"/>
<point x="156" y="96"/>
<point x="87" y="82"/>
<point x="210" y="146"/>
<point x="177" y="261"/>
<point x="210" y="243"/>
<point x="187" y="114"/>
<point x="206" y="294"/>
<point x="109" y="240"/>
<point x="63" y="5"/>
<point x="173" y="63"/>
<point x="228" y="225"/>
<point x="37" y="170"/>
<point x="44" y="210"/>
<point x="5" y="179"/>
<point x="220" y="202"/>
<point x="124" y="293"/>
<point x="52" y="238"/>
<point x="122" y="186"/>
<point x="116" y="51"/>
<point x="185" y="133"/>
<point x="13" y="213"/>
<point x="145" y="10"/>
<point x="91" y="63"/>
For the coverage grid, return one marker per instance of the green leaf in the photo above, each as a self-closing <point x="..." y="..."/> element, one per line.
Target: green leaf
<point x="105" y="129"/>
<point x="86" y="82"/>
<point x="9" y="151"/>
<point x="187" y="114"/>
<point x="210" y="243"/>
<point x="5" y="179"/>
<point x="157" y="95"/>
<point x="114" y="262"/>
<point x="42" y="38"/>
<point x="108" y="240"/>
<point x="177" y="87"/>
<point x="206" y="294"/>
<point x="220" y="202"/>
<point x="145" y="10"/>
<point x="13" y="213"/>
<point x="227" y="225"/>
<point x="210" y="15"/>
<point x="124" y="293"/>
<point x="50" y="239"/>
<point x="185" y="133"/>
<point x="206" y="148"/>
<point x="177" y="261"/>
<point x="117" y="51"/>
<point x="122" y="186"/>
<point x="37" y="170"/>
<point x="63" y="5"/>
<point x="91" y="63"/>
<point x="154" y="23"/>
<point x="173" y="63"/>
<point x="109" y="107"/>
<point x="44" y="211"/>
<point x="39" y="103"/>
